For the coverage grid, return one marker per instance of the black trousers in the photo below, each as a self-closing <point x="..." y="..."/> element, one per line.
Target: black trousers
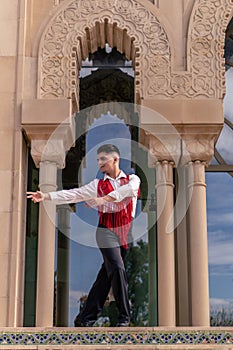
<point x="112" y="274"/>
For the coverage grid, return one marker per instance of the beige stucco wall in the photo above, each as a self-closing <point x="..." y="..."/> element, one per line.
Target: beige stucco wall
<point x="12" y="166"/>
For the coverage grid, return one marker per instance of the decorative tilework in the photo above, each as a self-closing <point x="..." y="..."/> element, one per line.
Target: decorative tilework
<point x="114" y="336"/>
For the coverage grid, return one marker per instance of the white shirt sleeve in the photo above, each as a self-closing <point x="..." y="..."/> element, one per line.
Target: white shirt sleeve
<point x="128" y="190"/>
<point x="75" y="195"/>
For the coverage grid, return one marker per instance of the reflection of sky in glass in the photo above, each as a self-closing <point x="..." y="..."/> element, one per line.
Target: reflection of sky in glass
<point x="220" y="215"/>
<point x="225" y="144"/>
<point x="228" y="110"/>
<point x="85" y="259"/>
<point x="225" y="141"/>
<point x="220" y="238"/>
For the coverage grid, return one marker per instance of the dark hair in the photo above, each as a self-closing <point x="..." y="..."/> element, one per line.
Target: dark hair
<point x="108" y="148"/>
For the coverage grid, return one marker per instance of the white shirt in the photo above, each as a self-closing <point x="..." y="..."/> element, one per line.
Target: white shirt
<point x="89" y="191"/>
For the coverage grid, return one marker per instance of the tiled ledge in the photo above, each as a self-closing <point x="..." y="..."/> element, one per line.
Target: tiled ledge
<point x="116" y="338"/>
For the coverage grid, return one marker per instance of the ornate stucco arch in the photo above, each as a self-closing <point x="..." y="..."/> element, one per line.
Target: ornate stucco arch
<point x="206" y="62"/>
<point x="81" y="26"/>
<point x="137" y="29"/>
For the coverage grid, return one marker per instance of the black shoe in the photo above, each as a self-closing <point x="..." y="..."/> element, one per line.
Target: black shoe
<point x="78" y="323"/>
<point x="122" y="324"/>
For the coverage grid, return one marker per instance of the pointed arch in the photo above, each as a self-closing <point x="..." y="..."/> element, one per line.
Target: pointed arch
<point x="81" y="26"/>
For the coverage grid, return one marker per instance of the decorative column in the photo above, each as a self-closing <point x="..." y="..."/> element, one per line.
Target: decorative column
<point x="164" y="152"/>
<point x="198" y="244"/>
<point x="166" y="250"/>
<point x="49" y="156"/>
<point x="198" y="150"/>
<point x="46" y="248"/>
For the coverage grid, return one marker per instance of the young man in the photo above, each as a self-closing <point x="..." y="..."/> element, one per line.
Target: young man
<point x="115" y="196"/>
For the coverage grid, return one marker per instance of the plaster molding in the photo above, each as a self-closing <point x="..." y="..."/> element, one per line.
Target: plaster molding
<point x="48" y="151"/>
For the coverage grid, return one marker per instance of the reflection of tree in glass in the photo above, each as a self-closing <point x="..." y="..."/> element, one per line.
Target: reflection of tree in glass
<point x="136" y="264"/>
<point x="137" y="273"/>
<point x="221" y="318"/>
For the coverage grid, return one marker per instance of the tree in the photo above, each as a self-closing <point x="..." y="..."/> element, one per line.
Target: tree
<point x="137" y="273"/>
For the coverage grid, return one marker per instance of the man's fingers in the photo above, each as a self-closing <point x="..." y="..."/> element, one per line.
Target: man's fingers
<point x="35" y="196"/>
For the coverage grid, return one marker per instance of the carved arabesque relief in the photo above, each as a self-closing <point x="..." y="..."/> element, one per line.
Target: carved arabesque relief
<point x="81" y="26"/>
<point x="206" y="47"/>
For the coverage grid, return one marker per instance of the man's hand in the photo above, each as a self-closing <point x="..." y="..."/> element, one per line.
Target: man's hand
<point x="37" y="196"/>
<point x="98" y="201"/>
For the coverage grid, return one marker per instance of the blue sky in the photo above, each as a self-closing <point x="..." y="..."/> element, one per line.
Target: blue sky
<point x="220" y="237"/>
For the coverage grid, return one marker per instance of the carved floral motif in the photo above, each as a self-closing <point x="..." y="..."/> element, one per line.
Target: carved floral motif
<point x="207" y="35"/>
<point x="66" y="31"/>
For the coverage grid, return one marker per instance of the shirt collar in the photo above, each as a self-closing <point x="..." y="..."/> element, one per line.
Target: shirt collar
<point x="121" y="175"/>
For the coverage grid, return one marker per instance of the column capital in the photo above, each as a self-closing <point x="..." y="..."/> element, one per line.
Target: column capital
<point x="198" y="142"/>
<point x="162" y="148"/>
<point x="48" y="151"/>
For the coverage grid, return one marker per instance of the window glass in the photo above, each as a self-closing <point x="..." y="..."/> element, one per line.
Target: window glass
<point x="220" y="240"/>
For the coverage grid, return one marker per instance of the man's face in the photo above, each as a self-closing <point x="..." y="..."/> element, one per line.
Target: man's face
<point x="106" y="161"/>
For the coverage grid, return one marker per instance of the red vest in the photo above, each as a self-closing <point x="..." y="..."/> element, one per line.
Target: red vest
<point x="118" y="218"/>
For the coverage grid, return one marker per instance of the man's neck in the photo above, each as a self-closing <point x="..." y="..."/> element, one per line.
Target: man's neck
<point x="114" y="174"/>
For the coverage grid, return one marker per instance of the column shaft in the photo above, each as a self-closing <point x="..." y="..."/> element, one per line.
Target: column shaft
<point x="63" y="267"/>
<point x="198" y="244"/>
<point x="166" y="258"/>
<point x="46" y="248"/>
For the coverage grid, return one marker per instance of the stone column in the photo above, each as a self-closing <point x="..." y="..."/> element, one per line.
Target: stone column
<point x="49" y="156"/>
<point x="198" y="150"/>
<point x="46" y="247"/>
<point x="198" y="244"/>
<point x="63" y="258"/>
<point x="164" y="152"/>
<point x="166" y="258"/>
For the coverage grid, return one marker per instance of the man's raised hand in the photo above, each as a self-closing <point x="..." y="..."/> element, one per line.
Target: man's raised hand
<point x="36" y="197"/>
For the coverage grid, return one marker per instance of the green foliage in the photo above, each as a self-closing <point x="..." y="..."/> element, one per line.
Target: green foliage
<point x="137" y="273"/>
<point x="221" y="318"/>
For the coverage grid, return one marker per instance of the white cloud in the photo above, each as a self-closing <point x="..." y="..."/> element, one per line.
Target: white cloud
<point x="218" y="304"/>
<point x="225" y="219"/>
<point x="220" y="253"/>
